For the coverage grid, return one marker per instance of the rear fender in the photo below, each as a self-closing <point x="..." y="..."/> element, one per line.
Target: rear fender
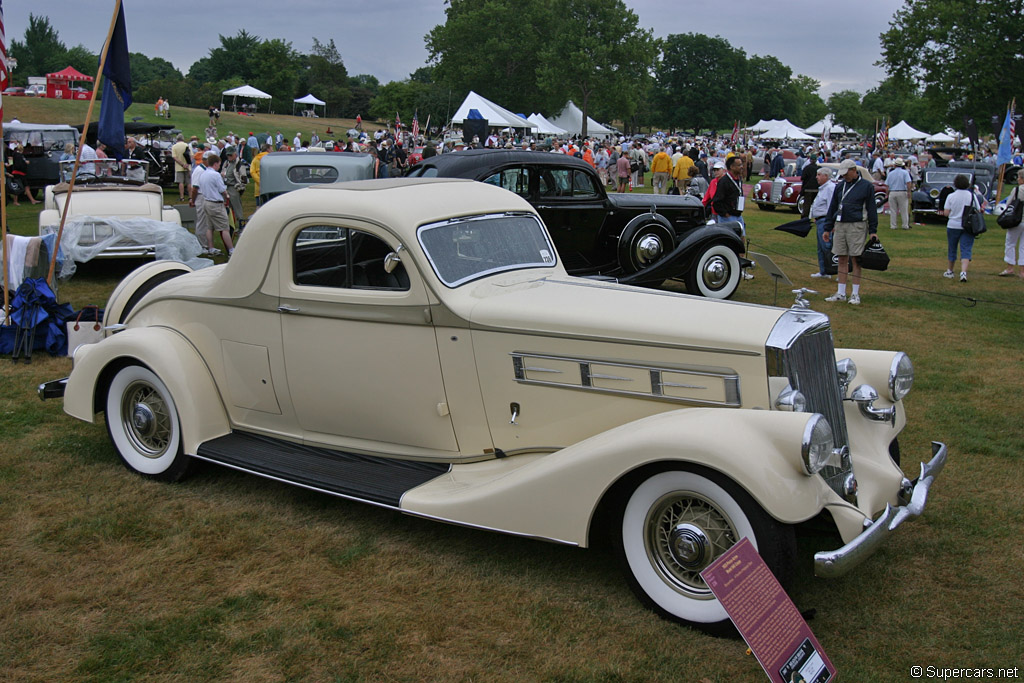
<point x="679" y="259"/>
<point x="556" y="496"/>
<point x="174" y="360"/>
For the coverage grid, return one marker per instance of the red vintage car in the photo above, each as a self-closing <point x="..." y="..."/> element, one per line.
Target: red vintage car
<point x="787" y="189"/>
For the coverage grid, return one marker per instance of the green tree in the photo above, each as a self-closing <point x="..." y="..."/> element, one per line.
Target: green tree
<point x="701" y="81"/>
<point x="809" y="105"/>
<point x="966" y="53"/>
<point x="600" y="57"/>
<point x="898" y="98"/>
<point x="146" y="69"/>
<point x="40" y="51"/>
<point x="771" y="96"/>
<point x="846" y="109"/>
<point x="82" y="59"/>
<point x="493" y="47"/>
<point x="326" y="76"/>
<point x="275" y="68"/>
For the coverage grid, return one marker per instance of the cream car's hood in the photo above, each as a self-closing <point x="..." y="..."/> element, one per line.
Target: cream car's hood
<point x="578" y="307"/>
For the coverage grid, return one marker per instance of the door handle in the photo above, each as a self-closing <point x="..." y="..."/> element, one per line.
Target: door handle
<point x="283" y="308"/>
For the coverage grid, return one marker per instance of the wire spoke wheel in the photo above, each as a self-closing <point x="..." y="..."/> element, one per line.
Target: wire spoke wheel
<point x="146" y="419"/>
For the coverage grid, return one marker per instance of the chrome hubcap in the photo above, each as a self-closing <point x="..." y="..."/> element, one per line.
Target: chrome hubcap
<point x="648" y="249"/>
<point x="684" y="533"/>
<point x="715" y="272"/>
<point x="146" y="419"/>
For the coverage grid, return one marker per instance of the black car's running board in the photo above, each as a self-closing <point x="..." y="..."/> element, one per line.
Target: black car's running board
<point x="361" y="477"/>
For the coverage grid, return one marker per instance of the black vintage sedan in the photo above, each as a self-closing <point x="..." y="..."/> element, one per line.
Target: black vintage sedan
<point x="937" y="183"/>
<point x="638" y="239"/>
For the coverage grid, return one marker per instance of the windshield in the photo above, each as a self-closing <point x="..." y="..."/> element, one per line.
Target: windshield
<point x="465" y="249"/>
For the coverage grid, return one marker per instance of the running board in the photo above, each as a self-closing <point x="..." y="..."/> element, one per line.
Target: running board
<point x="367" y="478"/>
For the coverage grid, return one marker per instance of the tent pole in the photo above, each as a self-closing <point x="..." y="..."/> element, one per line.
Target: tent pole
<point x="78" y="154"/>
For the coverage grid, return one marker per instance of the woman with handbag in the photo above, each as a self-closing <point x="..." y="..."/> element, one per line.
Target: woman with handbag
<point x="956" y="236"/>
<point x="1014" y="255"/>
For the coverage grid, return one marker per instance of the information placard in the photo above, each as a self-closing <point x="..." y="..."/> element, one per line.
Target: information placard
<point x="766" y="618"/>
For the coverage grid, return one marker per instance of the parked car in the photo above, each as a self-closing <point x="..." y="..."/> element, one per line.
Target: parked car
<point x="36" y="90"/>
<point x="43" y="144"/>
<point x="634" y="238"/>
<point x="155" y="139"/>
<point x="936" y="183"/>
<point x="107" y="189"/>
<point x="482" y="385"/>
<point x="282" y="172"/>
<point x="15" y="91"/>
<point x="787" y="190"/>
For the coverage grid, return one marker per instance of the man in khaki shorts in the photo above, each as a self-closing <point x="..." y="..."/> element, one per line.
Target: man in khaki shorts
<point x="851" y="218"/>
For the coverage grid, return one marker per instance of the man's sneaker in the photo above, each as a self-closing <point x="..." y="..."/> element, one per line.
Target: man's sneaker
<point x="213" y="252"/>
<point x="855" y="299"/>
<point x="837" y="297"/>
<point x="963" y="276"/>
<point x="948" y="274"/>
<point x="821" y="275"/>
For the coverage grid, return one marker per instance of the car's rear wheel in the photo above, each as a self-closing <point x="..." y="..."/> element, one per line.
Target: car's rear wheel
<point x="674" y="524"/>
<point x="643" y="245"/>
<point x="880" y="199"/>
<point x="715" y="273"/>
<point x="799" y="208"/>
<point x="143" y="424"/>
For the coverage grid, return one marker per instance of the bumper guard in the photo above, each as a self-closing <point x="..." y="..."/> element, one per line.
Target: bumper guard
<point x="834" y="563"/>
<point x="53" y="389"/>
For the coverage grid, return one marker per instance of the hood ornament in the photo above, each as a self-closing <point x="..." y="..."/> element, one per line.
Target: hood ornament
<point x="801" y="303"/>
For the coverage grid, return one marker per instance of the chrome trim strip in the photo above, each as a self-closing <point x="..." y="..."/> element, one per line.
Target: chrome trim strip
<point x="834" y="563"/>
<point x="412" y="513"/>
<point x="530" y="368"/>
<point x="730" y="380"/>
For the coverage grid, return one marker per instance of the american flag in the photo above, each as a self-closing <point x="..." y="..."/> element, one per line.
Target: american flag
<point x="883" y="135"/>
<point x="415" y="125"/>
<point x="735" y="131"/>
<point x="398" y="125"/>
<point x="1013" y="106"/>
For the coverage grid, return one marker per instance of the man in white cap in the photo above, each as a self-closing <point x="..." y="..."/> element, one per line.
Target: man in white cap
<point x="851" y="218"/>
<point x="901" y="186"/>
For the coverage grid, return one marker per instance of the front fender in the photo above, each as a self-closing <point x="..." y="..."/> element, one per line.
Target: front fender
<point x="200" y="410"/>
<point x="555" y="496"/>
<point x="679" y="259"/>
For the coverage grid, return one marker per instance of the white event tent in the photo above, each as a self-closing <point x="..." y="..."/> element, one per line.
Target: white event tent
<point x="763" y="125"/>
<point x="784" y="130"/>
<point x="310" y="100"/>
<point x="545" y="127"/>
<point x="246" y="91"/>
<point x="496" y="116"/>
<point x="571" y="119"/>
<point x="829" y="122"/>
<point x="946" y="136"/>
<point x="904" y="131"/>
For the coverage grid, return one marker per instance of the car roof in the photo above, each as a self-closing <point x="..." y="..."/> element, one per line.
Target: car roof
<point x="37" y="126"/>
<point x="468" y="163"/>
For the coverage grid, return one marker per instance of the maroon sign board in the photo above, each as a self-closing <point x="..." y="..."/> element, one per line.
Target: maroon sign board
<point x="766" y="618"/>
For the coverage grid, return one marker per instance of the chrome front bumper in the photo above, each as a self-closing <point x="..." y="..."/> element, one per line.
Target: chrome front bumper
<point x="834" y="563"/>
<point x="53" y="389"/>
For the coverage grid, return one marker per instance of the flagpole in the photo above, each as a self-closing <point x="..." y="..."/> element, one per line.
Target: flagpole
<point x="85" y="133"/>
<point x="3" y="216"/>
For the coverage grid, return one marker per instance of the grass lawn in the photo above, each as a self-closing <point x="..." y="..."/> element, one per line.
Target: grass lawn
<point x="105" y="576"/>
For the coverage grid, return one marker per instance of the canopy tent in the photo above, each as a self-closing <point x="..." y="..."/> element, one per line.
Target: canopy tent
<point x="545" y="127"/>
<point x="763" y="125"/>
<point x="571" y="119"/>
<point x="904" y="131"/>
<point x="784" y="130"/>
<point x="495" y="115"/>
<point x="943" y="137"/>
<point x="829" y="122"/>
<point x="245" y="91"/>
<point x="312" y="101"/>
<point x="59" y="84"/>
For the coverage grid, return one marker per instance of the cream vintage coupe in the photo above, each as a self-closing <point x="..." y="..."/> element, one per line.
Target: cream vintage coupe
<point x="417" y="344"/>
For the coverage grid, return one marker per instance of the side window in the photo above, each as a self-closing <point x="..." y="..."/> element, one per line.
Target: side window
<point x="557" y="183"/>
<point x="583" y="185"/>
<point x="343" y="258"/>
<point x="516" y="180"/>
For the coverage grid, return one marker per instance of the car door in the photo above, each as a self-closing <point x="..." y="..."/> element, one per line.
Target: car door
<point x="360" y="352"/>
<point x="574" y="209"/>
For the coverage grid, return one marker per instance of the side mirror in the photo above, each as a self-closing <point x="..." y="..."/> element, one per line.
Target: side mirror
<point x="391" y="262"/>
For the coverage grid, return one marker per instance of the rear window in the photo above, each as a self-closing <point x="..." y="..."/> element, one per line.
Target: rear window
<point x="312" y="174"/>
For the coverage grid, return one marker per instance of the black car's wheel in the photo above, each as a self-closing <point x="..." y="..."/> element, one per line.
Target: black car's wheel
<point x="766" y="207"/>
<point x="674" y="524"/>
<point x="715" y="273"/>
<point x="799" y="208"/>
<point x="142" y="421"/>
<point x="643" y="244"/>
<point x="880" y="199"/>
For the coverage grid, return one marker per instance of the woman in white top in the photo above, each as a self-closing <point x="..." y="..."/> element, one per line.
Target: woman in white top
<point x="956" y="236"/>
<point x="1014" y="256"/>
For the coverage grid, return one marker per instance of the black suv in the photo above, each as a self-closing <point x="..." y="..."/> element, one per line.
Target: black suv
<point x="638" y="239"/>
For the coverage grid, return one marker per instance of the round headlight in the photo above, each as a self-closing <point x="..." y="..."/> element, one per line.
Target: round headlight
<point x="933" y="193"/>
<point x="901" y="377"/>
<point x="816" y="448"/>
<point x="789" y="191"/>
<point x="791" y="400"/>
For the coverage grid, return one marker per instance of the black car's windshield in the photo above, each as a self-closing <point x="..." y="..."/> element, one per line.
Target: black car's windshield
<point x="465" y="249"/>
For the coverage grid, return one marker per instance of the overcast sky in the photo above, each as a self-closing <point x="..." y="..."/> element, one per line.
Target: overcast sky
<point x="836" y="43"/>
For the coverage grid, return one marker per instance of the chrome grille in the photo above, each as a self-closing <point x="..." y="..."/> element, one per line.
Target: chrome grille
<point x="777" y="192"/>
<point x="801" y="349"/>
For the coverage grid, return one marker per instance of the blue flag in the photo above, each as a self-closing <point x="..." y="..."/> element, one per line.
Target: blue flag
<point x="1005" y="140"/>
<point x="117" y="90"/>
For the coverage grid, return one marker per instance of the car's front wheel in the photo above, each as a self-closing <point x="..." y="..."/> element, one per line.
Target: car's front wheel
<point x="643" y="245"/>
<point x="715" y="273"/>
<point x="880" y="199"/>
<point x="766" y="207"/>
<point x="674" y="524"/>
<point x="143" y="424"/>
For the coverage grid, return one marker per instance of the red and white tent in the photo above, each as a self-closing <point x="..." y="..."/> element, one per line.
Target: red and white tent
<point x="60" y="84"/>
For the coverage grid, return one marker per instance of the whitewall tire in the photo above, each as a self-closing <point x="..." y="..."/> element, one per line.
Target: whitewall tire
<point x="715" y="273"/>
<point x="143" y="424"/>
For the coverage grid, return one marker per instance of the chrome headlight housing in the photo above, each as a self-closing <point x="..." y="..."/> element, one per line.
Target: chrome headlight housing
<point x="816" y="448"/>
<point x="847" y="371"/>
<point x="791" y="400"/>
<point x="901" y="377"/>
